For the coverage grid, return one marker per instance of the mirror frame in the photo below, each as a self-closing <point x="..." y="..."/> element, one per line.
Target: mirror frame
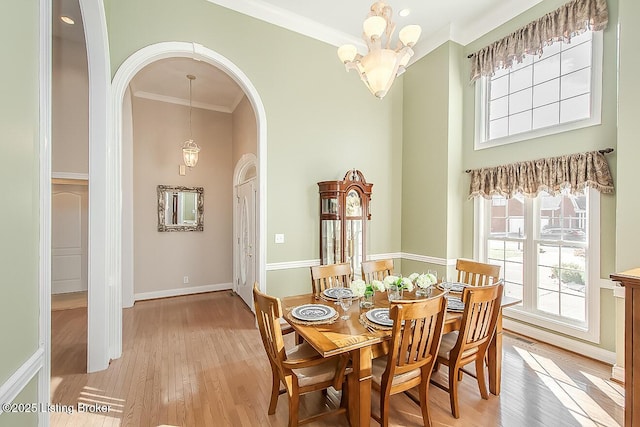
<point x="162" y="190"/>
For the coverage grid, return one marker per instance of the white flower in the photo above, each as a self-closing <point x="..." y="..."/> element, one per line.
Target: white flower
<point x="426" y="280"/>
<point x="390" y="280"/>
<point x="377" y="285"/>
<point x="407" y="283"/>
<point x="413" y="277"/>
<point x="358" y="287"/>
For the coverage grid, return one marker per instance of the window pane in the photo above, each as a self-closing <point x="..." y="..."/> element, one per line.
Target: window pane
<point x="499" y="108"/>
<point x="546" y="93"/>
<point x="520" y="79"/>
<point x="573" y="307"/>
<point x="563" y="217"/>
<point x="499" y="87"/>
<point x="546" y="69"/>
<point x="527" y="60"/>
<point x="520" y="122"/>
<point x="577" y="83"/>
<point x="498" y="128"/>
<point x="575" y="57"/>
<point x="576" y="40"/>
<point x="575" y="108"/>
<point x="549" y="301"/>
<point x="520" y="101"/>
<point x="548" y="115"/>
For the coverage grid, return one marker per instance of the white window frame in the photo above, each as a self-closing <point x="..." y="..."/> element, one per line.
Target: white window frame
<point x="590" y="329"/>
<point x="482" y="106"/>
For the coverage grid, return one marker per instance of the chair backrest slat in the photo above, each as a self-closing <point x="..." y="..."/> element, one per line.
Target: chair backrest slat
<point x="330" y="276"/>
<point x="482" y="307"/>
<point x="416" y="334"/>
<point x="376" y="270"/>
<point x="477" y="273"/>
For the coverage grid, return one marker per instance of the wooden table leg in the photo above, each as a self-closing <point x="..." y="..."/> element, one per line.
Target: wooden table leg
<point x="360" y="388"/>
<point x="494" y="356"/>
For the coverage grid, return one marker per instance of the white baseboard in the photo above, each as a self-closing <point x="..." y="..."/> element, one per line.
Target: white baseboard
<point x="21" y="377"/>
<point x="578" y="347"/>
<point x="70" y="175"/>
<point x="617" y="373"/>
<point x="182" y="291"/>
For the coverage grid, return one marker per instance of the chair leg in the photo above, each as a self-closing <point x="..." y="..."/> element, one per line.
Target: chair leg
<point x="453" y="391"/>
<point x="424" y="403"/>
<point x="275" y="391"/>
<point x="436" y="366"/>
<point x="482" y="383"/>
<point x="294" y="403"/>
<point x="384" y="408"/>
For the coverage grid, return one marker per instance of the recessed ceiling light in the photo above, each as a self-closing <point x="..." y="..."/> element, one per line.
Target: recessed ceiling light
<point x="67" y="20"/>
<point x="404" y="12"/>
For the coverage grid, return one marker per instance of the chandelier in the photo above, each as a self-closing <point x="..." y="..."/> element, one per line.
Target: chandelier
<point x="380" y="66"/>
<point x="190" y="149"/>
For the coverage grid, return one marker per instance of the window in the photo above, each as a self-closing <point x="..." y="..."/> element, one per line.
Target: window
<point x="548" y="248"/>
<point x="553" y="93"/>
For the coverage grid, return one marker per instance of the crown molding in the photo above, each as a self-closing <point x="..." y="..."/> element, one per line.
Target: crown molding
<point x="185" y="102"/>
<point x="461" y="34"/>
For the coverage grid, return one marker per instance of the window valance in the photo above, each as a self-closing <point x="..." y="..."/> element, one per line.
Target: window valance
<point x="574" y="171"/>
<point x="571" y="19"/>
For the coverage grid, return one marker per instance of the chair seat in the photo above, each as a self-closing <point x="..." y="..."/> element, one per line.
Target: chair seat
<point x="448" y="342"/>
<point x="312" y="374"/>
<point x="285" y="326"/>
<point x="380" y="364"/>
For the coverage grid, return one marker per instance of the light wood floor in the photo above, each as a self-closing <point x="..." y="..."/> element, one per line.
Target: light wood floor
<point x="68" y="301"/>
<point x="198" y="361"/>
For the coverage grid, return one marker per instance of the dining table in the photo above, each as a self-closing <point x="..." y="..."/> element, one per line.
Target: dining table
<point x="365" y="343"/>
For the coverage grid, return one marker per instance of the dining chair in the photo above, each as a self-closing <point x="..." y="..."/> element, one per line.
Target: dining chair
<point x="376" y="270"/>
<point x="301" y="369"/>
<point x="415" y="338"/>
<point x="330" y="276"/>
<point x="470" y="343"/>
<point x="476" y="273"/>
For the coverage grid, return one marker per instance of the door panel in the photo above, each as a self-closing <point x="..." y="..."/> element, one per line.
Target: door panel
<point x="246" y="240"/>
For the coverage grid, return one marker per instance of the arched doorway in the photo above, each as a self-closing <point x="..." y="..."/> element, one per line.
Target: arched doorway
<point x="118" y="144"/>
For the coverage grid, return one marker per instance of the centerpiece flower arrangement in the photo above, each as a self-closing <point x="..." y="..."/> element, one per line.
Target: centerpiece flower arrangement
<point x="423" y="281"/>
<point x="398" y="282"/>
<point x="365" y="291"/>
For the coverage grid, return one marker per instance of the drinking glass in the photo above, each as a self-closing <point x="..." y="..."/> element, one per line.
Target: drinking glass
<point x="345" y="301"/>
<point x="393" y="293"/>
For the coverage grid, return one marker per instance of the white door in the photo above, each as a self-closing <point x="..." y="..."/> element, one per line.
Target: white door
<point x="68" y="238"/>
<point x="246" y="241"/>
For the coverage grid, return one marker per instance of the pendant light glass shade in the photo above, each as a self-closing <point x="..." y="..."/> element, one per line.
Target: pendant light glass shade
<point x="190" y="149"/>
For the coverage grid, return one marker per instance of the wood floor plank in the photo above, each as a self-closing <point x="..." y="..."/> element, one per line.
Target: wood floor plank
<point x="198" y="361"/>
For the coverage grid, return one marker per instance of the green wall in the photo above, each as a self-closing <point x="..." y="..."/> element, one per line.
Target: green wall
<point x="27" y="395"/>
<point x="321" y="121"/>
<point x="439" y="120"/>
<point x="19" y="218"/>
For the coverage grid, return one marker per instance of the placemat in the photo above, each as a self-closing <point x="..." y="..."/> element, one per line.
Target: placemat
<point x="290" y="318"/>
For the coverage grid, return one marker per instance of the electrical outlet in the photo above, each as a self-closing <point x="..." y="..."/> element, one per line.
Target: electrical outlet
<point x="185" y="279"/>
<point x="279" y="238"/>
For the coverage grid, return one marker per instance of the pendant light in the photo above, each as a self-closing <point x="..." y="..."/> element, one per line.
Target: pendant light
<point x="190" y="149"/>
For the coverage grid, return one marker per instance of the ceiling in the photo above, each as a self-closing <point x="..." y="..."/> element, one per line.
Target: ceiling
<point x="332" y="21"/>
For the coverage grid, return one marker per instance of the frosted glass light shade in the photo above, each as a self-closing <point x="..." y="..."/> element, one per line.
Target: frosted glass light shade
<point x="374" y="26"/>
<point x="380" y="70"/>
<point x="190" y="152"/>
<point x="410" y="34"/>
<point x="347" y="53"/>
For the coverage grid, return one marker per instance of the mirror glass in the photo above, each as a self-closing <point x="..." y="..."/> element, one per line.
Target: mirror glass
<point x="180" y="208"/>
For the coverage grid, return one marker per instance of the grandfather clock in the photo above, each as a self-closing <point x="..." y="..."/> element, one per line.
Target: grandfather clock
<point x="344" y="220"/>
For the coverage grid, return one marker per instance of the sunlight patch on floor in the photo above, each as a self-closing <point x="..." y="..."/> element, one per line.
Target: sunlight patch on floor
<point x="580" y="405"/>
<point x="611" y="389"/>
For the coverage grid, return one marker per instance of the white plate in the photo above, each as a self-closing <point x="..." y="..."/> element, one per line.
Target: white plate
<point x="313" y="312"/>
<point x="380" y="316"/>
<point x="455" y="304"/>
<point x="333" y="293"/>
<point x="452" y="286"/>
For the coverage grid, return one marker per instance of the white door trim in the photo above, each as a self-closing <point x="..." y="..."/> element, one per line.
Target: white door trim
<point x="42" y="363"/>
<point x="104" y="331"/>
<point x="121" y="80"/>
